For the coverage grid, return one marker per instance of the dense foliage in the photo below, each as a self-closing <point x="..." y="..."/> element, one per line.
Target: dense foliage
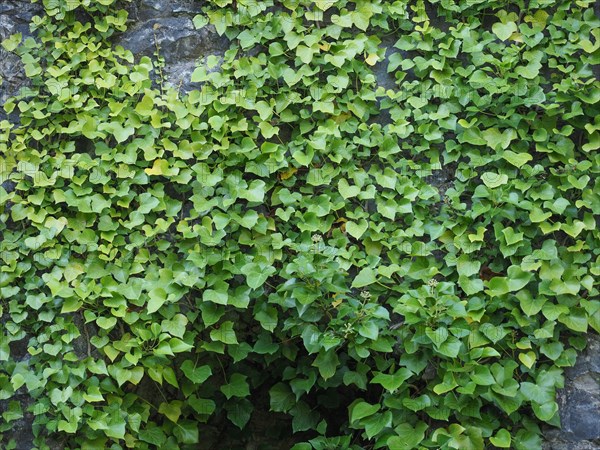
<point x="376" y="219"/>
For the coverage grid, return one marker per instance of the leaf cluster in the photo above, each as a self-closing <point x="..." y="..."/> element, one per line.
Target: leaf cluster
<point x="373" y="222"/>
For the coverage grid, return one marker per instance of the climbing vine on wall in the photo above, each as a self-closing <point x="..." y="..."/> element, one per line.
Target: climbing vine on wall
<point x="375" y="221"/>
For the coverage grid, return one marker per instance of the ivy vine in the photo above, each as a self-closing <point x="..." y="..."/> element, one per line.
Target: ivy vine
<point x="375" y="222"/>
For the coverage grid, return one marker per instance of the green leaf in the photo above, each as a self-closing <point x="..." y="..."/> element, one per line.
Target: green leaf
<point x="369" y="329"/>
<point x="200" y="21"/>
<point x="256" y="275"/>
<point x="145" y="106"/>
<point x="171" y="410"/>
<point x="71" y="305"/>
<point x="106" y="323"/>
<point x="255" y="192"/>
<point x="201" y="405"/>
<point x="158" y="297"/>
<point x="504" y="30"/>
<point x="239" y="411"/>
<point x="517" y="159"/>
<point x="282" y="398"/>
<point x="494" y="180"/>
<point x="501" y="439"/>
<point x="576" y="320"/>
<point x="198" y="375"/>
<point x="304" y="53"/>
<point x="482" y="376"/>
<point x="12" y="42"/>
<point x="237" y="386"/>
<point x="356" y="230"/>
<point x="224" y="333"/>
<point x="348" y="191"/>
<point x="530" y="305"/>
<point x="186" y="432"/>
<point x="437" y="336"/>
<point x="467" y="266"/>
<point x="153" y="435"/>
<point x="497" y="140"/>
<point x="545" y="411"/>
<point x="327" y="362"/>
<point x="407" y="437"/>
<point x="304" y="418"/>
<point x="392" y="382"/>
<point x="361" y="410"/>
<point x="365" y="277"/>
<point x="220" y="297"/>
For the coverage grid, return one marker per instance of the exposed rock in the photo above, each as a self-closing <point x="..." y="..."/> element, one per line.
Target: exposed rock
<point x="168" y="27"/>
<point x="15" y="16"/>
<point x="579" y="404"/>
<point x="150" y="9"/>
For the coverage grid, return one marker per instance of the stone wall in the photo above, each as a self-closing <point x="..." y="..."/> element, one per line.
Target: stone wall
<point x="579" y="404"/>
<point x="168" y="23"/>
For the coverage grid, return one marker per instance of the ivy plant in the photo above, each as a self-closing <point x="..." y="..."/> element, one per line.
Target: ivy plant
<point x="372" y="224"/>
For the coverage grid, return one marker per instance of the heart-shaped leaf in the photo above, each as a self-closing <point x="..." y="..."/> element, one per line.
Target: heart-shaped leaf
<point x="504" y="30"/>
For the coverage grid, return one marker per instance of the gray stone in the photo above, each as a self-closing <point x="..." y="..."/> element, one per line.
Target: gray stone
<point x="149" y="9"/>
<point x="169" y="26"/>
<point x="176" y="37"/>
<point x="15" y="16"/>
<point x="579" y="403"/>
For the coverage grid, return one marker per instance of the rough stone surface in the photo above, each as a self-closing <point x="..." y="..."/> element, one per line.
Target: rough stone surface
<point x="579" y="404"/>
<point x="168" y="26"/>
<point x="168" y="23"/>
<point x="15" y="16"/>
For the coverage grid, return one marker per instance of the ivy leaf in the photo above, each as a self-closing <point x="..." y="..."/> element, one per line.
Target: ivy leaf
<point x="282" y="398"/>
<point x="186" y="432"/>
<point x="224" y="333"/>
<point x="198" y="375"/>
<point x="545" y="411"/>
<point x="437" y="336"/>
<point x="256" y="275"/>
<point x="497" y="140"/>
<point x="504" y="30"/>
<point x="501" y="438"/>
<point x="348" y="191"/>
<point x="369" y="329"/>
<point x="407" y="437"/>
<point x="146" y="106"/>
<point x="517" y="159"/>
<point x="201" y="405"/>
<point x="255" y="192"/>
<point x="392" y="382"/>
<point x="161" y="167"/>
<point x="219" y="296"/>
<point x="158" y="297"/>
<point x="304" y="53"/>
<point x="106" y="323"/>
<point x="171" y="410"/>
<point x="120" y="133"/>
<point x="12" y="42"/>
<point x="200" y="21"/>
<point x="365" y="277"/>
<point x="153" y="435"/>
<point x="237" y="386"/>
<point x="239" y="411"/>
<point x="361" y="410"/>
<point x="494" y="180"/>
<point x="304" y="418"/>
<point x="323" y="5"/>
<point x="482" y="376"/>
<point x="327" y="362"/>
<point x="356" y="230"/>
